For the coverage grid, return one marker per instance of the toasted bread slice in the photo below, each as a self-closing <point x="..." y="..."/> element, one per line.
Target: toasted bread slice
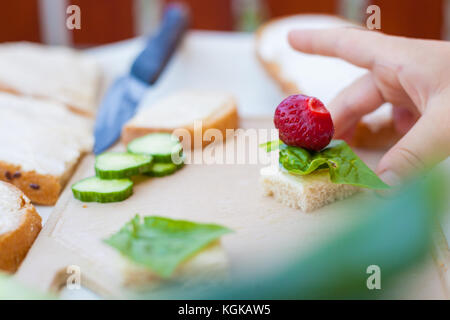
<point x="210" y="265"/>
<point x="19" y="226"/>
<point x="376" y="130"/>
<point x="308" y="193"/>
<point x="192" y="110"/>
<point x="321" y="77"/>
<point x="41" y="142"/>
<point x="56" y="73"/>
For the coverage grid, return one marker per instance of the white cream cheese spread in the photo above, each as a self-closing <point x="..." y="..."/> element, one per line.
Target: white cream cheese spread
<point x="56" y="73"/>
<point x="41" y="135"/>
<point x="10" y="209"/>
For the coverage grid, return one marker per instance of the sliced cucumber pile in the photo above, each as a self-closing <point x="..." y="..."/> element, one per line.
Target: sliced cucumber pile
<point x="102" y="190"/>
<point x="163" y="147"/>
<point x="155" y="155"/>
<point x="117" y="165"/>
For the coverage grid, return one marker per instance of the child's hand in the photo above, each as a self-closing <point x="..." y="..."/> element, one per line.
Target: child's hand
<point x="413" y="75"/>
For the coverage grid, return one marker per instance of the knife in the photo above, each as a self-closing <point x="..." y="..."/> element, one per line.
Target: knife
<point x="123" y="96"/>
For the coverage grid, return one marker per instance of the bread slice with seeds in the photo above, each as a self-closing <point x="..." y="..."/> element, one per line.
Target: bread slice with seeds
<point x="41" y="143"/>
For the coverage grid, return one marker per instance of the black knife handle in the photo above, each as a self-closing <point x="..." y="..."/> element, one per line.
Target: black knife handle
<point x="151" y="61"/>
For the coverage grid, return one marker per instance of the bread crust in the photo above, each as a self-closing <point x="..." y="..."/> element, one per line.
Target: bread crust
<point x="364" y="136"/>
<point x="41" y="189"/>
<point x="228" y="118"/>
<point x="14" y="245"/>
<point x="384" y="137"/>
<point x="271" y="67"/>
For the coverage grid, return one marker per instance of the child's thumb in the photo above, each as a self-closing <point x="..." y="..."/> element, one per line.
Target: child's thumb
<point x="426" y="144"/>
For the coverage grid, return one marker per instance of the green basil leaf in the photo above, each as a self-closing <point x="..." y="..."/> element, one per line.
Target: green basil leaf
<point x="344" y="165"/>
<point x="299" y="161"/>
<point x="161" y="244"/>
<point x="347" y="168"/>
<point x="271" y="145"/>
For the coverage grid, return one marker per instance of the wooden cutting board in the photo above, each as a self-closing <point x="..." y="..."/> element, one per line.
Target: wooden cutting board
<point x="227" y="194"/>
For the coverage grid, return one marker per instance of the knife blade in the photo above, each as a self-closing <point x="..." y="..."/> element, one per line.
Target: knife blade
<point x="122" y="97"/>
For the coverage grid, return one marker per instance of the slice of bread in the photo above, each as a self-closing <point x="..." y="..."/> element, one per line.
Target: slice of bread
<point x="376" y="130"/>
<point x="321" y="77"/>
<point x="210" y="265"/>
<point x="41" y="142"/>
<point x="57" y="73"/>
<point x="19" y="226"/>
<point x="183" y="110"/>
<point x="308" y="193"/>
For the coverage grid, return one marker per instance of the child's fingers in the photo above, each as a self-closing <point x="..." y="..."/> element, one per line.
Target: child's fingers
<point x="422" y="147"/>
<point x="404" y="119"/>
<point x="357" y="46"/>
<point x="353" y="102"/>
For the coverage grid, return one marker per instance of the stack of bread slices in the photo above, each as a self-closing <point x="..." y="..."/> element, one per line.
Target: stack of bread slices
<point x="48" y="97"/>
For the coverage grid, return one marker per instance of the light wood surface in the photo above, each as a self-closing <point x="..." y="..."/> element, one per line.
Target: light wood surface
<point x="203" y="54"/>
<point x="265" y="231"/>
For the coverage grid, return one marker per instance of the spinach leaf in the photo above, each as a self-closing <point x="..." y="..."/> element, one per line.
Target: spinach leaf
<point x="161" y="244"/>
<point x="271" y="145"/>
<point x="347" y="168"/>
<point x="300" y="161"/>
<point x="344" y="165"/>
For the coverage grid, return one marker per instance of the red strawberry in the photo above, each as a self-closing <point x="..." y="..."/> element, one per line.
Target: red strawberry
<point x="304" y="122"/>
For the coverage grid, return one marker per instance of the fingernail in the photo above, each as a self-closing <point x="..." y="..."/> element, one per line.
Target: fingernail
<point x="393" y="180"/>
<point x="390" y="178"/>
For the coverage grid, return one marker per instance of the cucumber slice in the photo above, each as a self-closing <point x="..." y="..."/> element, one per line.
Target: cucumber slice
<point x="101" y="190"/>
<point x="117" y="165"/>
<point x="161" y="146"/>
<point x="163" y="169"/>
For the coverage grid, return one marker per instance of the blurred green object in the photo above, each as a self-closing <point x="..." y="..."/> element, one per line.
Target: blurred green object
<point x="395" y="235"/>
<point x="11" y="290"/>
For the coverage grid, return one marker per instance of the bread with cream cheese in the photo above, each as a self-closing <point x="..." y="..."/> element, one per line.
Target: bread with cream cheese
<point x="19" y="226"/>
<point x="308" y="193"/>
<point x="208" y="266"/>
<point x="195" y="111"/>
<point x="40" y="144"/>
<point x="56" y="73"/>
<point x="318" y="76"/>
